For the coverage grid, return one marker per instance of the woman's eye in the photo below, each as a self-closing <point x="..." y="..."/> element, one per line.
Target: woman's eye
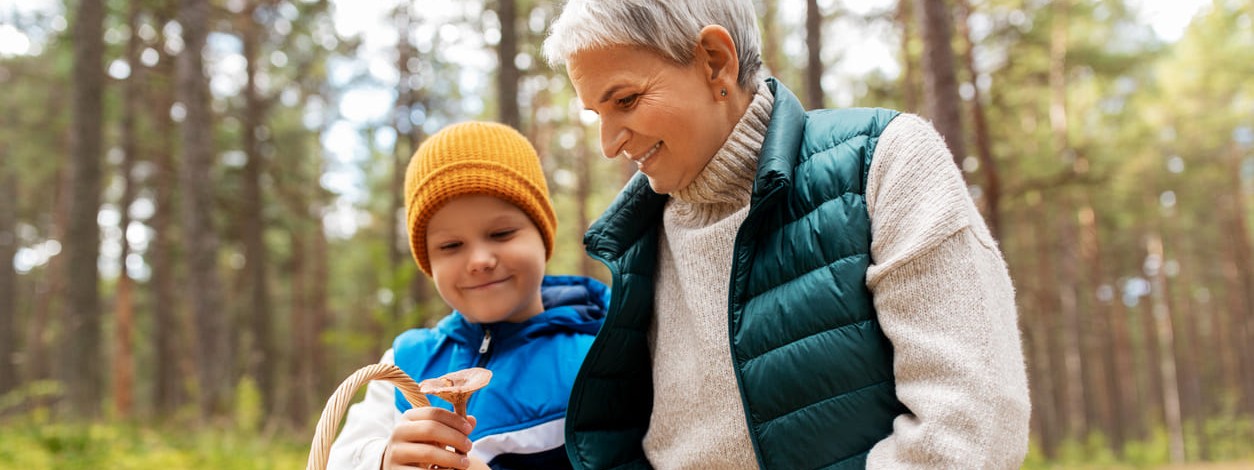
<point x="628" y="100"/>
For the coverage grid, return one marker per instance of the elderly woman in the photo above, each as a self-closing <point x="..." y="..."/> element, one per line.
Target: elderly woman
<point x="791" y="289"/>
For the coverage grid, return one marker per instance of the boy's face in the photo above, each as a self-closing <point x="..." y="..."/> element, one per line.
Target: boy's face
<point x="487" y="259"/>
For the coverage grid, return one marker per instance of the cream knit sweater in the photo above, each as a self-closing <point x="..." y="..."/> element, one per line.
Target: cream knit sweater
<point x="938" y="281"/>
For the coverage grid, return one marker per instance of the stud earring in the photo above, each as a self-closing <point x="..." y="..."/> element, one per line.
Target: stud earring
<point x="723" y="92"/>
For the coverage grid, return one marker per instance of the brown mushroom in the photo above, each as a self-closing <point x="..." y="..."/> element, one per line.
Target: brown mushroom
<point x="456" y="387"/>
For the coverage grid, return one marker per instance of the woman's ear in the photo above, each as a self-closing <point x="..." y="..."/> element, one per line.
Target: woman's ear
<point x="718" y="56"/>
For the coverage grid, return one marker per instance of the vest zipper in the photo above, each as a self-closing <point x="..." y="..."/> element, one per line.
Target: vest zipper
<point x="484" y="348"/>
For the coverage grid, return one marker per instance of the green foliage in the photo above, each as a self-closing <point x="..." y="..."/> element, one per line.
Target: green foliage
<point x="1153" y="451"/>
<point x="39" y="443"/>
<point x="1228" y="439"/>
<point x="30" y="394"/>
<point x="1229" y="436"/>
<point x="248" y="406"/>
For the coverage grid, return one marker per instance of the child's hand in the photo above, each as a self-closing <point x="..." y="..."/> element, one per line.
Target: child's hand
<point x="422" y="440"/>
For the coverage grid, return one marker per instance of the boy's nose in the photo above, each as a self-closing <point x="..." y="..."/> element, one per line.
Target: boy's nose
<point x="482" y="260"/>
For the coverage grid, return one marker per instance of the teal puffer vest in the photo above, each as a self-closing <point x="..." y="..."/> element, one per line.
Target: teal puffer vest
<point x="814" y="368"/>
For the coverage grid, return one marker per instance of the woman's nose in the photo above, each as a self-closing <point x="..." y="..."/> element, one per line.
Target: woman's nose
<point x="613" y="139"/>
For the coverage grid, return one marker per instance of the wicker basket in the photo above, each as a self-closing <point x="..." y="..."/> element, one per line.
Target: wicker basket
<point x="329" y="423"/>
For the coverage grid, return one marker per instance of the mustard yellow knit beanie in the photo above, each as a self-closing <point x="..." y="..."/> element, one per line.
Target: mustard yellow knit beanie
<point x="475" y="158"/>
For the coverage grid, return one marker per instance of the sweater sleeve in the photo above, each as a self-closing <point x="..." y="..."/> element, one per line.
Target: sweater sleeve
<point x="945" y="301"/>
<point x="367" y="428"/>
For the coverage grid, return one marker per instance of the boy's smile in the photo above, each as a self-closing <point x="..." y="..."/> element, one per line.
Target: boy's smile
<point x="487" y="259"/>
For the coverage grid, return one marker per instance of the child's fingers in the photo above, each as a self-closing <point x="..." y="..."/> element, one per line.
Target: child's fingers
<point x="415" y="455"/>
<point x="431" y="432"/>
<point x="448" y="418"/>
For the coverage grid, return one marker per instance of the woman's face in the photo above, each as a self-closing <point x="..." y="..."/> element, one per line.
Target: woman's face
<point x="669" y="119"/>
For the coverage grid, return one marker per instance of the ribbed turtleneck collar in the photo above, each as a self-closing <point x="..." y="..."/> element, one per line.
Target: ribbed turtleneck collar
<point x="726" y="182"/>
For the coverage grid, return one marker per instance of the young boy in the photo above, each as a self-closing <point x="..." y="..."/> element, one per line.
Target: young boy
<point x="482" y="226"/>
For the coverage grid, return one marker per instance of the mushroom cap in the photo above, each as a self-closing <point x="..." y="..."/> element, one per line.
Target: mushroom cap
<point x="462" y="382"/>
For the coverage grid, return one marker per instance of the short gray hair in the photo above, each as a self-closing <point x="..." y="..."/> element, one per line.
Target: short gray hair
<point x="668" y="27"/>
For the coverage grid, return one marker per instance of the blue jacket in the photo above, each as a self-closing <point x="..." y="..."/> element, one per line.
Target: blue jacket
<point x="521" y="413"/>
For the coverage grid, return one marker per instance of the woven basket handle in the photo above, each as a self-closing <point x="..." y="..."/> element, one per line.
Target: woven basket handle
<point x="329" y="423"/>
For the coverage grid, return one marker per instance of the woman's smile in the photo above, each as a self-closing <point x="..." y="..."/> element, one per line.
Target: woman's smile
<point x="645" y="157"/>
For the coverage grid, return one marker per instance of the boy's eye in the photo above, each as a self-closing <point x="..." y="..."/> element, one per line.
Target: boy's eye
<point x="502" y="234"/>
<point x="629" y="100"/>
<point x="449" y="246"/>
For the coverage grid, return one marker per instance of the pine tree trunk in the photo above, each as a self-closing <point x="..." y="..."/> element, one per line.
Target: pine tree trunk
<point x="1122" y="375"/>
<point x="124" y="312"/>
<point x="991" y="189"/>
<point x="1192" y="389"/>
<point x="1041" y="334"/>
<point x="263" y="358"/>
<point x="583" y="192"/>
<point x="1099" y="358"/>
<point x="1239" y="270"/>
<point x="909" y="78"/>
<point x="814" y="56"/>
<point x="303" y="342"/>
<point x="771" y="50"/>
<point x="1151" y="383"/>
<point x="507" y="75"/>
<point x="79" y="372"/>
<point x="940" y="83"/>
<point x="1073" y="364"/>
<point x="49" y="290"/>
<point x="168" y="325"/>
<point x="1165" y="334"/>
<point x="402" y="152"/>
<point x="214" y="357"/>
<point x="319" y="313"/>
<point x="9" y="324"/>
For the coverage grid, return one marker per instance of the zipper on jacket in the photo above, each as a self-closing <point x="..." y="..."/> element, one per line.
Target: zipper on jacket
<point x="484" y="348"/>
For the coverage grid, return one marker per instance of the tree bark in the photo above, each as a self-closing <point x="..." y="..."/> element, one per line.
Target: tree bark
<point x="814" y="58"/>
<point x="214" y="356"/>
<point x="507" y="75"/>
<point x="303" y="343"/>
<point x="1165" y="334"/>
<point x="319" y="313"/>
<point x="583" y="193"/>
<point x="991" y="194"/>
<point x="1071" y="344"/>
<point x="1041" y="333"/>
<point x="909" y="78"/>
<point x="79" y="372"/>
<point x="940" y="83"/>
<point x="263" y="358"/>
<point x="49" y="290"/>
<point x="8" y="275"/>
<point x="771" y="50"/>
<point x="1239" y="270"/>
<point x="1099" y="358"/>
<point x="397" y="232"/>
<point x="1121" y="379"/>
<point x="124" y="312"/>
<point x="168" y="325"/>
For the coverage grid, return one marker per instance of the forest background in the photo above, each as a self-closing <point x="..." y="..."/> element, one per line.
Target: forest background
<point x="201" y="228"/>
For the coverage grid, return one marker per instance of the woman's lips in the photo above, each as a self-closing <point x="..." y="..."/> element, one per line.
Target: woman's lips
<point x="648" y="154"/>
<point x="643" y="157"/>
